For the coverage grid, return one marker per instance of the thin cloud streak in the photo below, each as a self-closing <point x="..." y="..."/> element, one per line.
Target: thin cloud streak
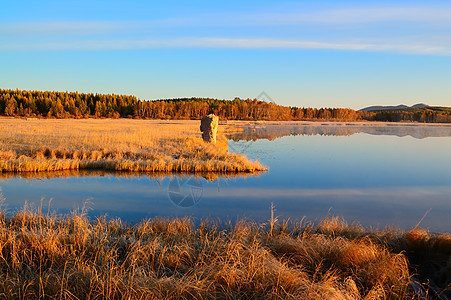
<point x="367" y="15"/>
<point x="87" y="27"/>
<point x="225" y="43"/>
<point x="63" y="27"/>
<point x="421" y="14"/>
<point x="140" y="34"/>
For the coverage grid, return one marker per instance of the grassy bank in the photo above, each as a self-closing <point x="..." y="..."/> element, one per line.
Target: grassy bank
<point x="44" y="256"/>
<point x="114" y="145"/>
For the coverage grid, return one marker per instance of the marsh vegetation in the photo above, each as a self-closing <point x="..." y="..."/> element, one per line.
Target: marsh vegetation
<point x="114" y="145"/>
<point x="48" y="256"/>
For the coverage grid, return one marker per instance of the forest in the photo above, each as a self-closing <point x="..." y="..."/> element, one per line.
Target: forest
<point x="51" y="104"/>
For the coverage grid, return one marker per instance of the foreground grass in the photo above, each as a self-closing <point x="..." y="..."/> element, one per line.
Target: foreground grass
<point x="113" y="145"/>
<point x="44" y="256"/>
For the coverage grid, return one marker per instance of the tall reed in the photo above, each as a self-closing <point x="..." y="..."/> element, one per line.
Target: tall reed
<point x="49" y="256"/>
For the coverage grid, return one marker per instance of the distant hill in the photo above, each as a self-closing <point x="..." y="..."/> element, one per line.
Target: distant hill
<point x="398" y="107"/>
<point x="421" y="113"/>
<point x="419" y="105"/>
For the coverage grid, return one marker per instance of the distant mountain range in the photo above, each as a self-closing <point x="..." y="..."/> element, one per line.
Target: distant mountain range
<point x="402" y="106"/>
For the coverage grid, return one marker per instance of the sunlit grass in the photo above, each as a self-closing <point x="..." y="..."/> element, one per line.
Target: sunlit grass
<point x="45" y="256"/>
<point x="70" y="256"/>
<point x="114" y="145"/>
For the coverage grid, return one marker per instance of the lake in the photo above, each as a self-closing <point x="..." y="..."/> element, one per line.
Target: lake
<point x="375" y="175"/>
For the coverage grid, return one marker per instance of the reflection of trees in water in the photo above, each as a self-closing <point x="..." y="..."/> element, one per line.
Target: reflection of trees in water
<point x="271" y="132"/>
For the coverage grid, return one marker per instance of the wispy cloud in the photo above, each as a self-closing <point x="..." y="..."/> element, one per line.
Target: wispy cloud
<point x="184" y="32"/>
<point x="55" y="27"/>
<point x="421" y="14"/>
<point x="89" y="27"/>
<point x="231" y="43"/>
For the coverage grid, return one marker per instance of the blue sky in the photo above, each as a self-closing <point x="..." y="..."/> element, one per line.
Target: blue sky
<point x="301" y="53"/>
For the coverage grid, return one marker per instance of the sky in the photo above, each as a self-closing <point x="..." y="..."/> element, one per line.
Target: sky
<point x="301" y="53"/>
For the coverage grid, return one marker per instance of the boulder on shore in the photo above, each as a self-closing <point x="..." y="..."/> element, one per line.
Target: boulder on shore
<point x="209" y="127"/>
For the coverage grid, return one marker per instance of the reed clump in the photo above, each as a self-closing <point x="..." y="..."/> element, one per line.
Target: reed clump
<point x="114" y="145"/>
<point x="71" y="256"/>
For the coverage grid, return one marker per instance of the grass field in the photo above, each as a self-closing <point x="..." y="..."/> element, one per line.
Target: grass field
<point x="119" y="145"/>
<point x="71" y="257"/>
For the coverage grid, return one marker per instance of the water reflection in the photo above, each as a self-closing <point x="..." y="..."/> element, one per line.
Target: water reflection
<point x="375" y="177"/>
<point x="185" y="192"/>
<point x="209" y="176"/>
<point x="271" y="132"/>
<point x="131" y="196"/>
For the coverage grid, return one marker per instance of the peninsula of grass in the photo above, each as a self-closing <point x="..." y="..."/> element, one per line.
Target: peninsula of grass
<point x="114" y="145"/>
<point x="73" y="257"/>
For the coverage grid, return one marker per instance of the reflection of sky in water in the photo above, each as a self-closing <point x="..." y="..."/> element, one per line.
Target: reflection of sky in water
<point x="376" y="180"/>
<point x="354" y="161"/>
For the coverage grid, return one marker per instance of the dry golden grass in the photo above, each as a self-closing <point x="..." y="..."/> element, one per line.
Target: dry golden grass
<point x="114" y="145"/>
<point x="44" y="256"/>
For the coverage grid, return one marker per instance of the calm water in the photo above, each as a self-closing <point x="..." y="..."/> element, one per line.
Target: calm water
<point x="378" y="176"/>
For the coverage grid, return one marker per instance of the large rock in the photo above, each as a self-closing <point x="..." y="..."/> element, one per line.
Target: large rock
<point x="209" y="127"/>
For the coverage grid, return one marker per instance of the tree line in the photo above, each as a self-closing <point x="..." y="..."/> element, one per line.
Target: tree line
<point x="21" y="103"/>
<point x="422" y="115"/>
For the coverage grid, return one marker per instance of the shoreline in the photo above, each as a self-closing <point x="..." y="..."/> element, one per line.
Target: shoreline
<point x="242" y="122"/>
<point x="340" y="123"/>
